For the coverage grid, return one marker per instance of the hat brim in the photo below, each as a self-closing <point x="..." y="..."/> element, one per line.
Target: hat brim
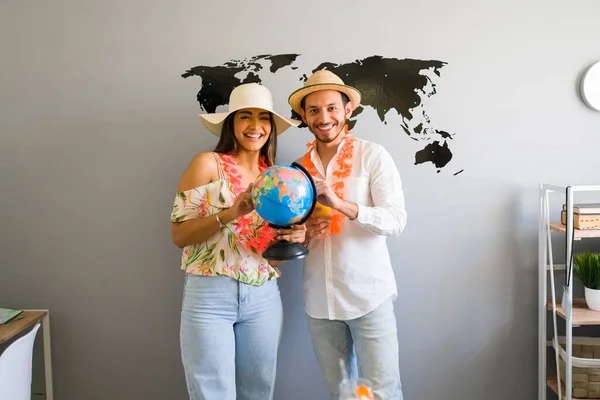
<point x="295" y="98"/>
<point x="214" y="122"/>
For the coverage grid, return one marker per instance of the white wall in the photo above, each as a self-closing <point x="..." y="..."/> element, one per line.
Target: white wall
<point x="97" y="126"/>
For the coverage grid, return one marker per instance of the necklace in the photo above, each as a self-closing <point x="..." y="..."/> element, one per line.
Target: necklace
<point x="235" y="177"/>
<point x="342" y="171"/>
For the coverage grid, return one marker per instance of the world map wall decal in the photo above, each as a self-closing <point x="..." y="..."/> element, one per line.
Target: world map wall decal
<point x="385" y="84"/>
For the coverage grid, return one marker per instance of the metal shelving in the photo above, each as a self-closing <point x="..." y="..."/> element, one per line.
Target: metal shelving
<point x="573" y="311"/>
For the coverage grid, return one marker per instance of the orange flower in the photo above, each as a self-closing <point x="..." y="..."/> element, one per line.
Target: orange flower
<point x="364" y="393"/>
<point x="343" y="170"/>
<point x="229" y="167"/>
<point x="251" y="229"/>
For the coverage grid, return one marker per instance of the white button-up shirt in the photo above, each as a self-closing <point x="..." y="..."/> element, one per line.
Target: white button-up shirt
<point x="347" y="275"/>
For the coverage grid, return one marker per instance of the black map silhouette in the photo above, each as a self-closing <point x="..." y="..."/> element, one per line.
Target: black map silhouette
<point x="385" y="84"/>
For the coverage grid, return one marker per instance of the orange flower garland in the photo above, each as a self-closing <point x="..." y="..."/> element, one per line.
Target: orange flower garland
<point x="343" y="170"/>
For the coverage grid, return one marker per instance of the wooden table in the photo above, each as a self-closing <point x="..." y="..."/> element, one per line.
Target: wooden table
<point x="29" y="318"/>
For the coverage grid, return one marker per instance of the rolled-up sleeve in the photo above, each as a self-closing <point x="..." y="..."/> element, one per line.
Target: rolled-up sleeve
<point x="387" y="216"/>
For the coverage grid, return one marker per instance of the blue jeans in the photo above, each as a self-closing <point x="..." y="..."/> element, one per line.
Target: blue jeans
<point x="371" y="341"/>
<point x="230" y="334"/>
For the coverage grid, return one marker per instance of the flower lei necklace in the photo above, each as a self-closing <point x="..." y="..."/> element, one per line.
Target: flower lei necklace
<point x="254" y="235"/>
<point x="343" y="170"/>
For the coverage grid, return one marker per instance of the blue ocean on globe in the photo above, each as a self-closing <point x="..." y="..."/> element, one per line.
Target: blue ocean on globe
<point x="283" y="195"/>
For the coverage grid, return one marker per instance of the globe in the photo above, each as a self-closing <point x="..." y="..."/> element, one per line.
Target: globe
<point x="284" y="195"/>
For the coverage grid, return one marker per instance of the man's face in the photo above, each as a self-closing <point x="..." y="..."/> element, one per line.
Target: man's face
<point x="325" y="114"/>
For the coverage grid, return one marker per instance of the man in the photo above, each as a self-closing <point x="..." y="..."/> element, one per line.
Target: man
<point x="348" y="281"/>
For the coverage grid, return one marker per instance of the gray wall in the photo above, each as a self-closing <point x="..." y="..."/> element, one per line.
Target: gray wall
<point x="97" y="126"/>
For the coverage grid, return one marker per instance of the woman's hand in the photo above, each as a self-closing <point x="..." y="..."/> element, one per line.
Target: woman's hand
<point x="296" y="234"/>
<point x="243" y="204"/>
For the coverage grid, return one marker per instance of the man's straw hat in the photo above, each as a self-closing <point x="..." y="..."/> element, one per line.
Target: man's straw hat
<point x="323" y="80"/>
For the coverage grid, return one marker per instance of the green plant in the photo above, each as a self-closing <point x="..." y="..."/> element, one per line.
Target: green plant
<point x="587" y="269"/>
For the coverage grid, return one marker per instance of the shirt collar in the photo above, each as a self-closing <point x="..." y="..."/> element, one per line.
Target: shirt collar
<point x="314" y="157"/>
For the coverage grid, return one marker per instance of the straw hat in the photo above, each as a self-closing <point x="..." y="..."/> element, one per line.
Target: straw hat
<point x="248" y="95"/>
<point x="323" y="80"/>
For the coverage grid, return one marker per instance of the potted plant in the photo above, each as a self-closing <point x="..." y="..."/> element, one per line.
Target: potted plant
<point x="587" y="270"/>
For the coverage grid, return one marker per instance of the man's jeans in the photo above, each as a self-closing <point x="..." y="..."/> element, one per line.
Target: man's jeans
<point x="230" y="333"/>
<point x="371" y="340"/>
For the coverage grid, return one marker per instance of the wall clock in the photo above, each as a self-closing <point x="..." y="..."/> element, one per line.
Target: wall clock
<point x="590" y="86"/>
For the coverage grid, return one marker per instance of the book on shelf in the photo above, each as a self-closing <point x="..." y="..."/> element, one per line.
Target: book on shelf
<point x="582" y="221"/>
<point x="8" y="314"/>
<point x="584" y="208"/>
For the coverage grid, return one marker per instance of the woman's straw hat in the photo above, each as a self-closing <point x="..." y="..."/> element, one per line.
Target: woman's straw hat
<point x="248" y="95"/>
<point x="323" y="80"/>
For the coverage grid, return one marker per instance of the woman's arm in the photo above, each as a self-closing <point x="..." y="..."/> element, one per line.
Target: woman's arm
<point x="201" y="171"/>
<point x="198" y="230"/>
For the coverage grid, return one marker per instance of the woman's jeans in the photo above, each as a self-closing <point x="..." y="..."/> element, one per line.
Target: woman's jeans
<point x="230" y="333"/>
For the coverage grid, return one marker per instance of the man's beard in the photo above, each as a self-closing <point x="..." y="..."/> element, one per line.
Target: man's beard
<point x="334" y="138"/>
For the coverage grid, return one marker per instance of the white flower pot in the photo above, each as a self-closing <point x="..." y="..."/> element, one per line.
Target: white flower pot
<point x="592" y="298"/>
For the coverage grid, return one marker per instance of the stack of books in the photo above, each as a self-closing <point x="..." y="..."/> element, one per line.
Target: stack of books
<point x="585" y="216"/>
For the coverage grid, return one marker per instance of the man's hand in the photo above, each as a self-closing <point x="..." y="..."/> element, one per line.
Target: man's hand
<point x="326" y="195"/>
<point x="296" y="234"/>
<point x="317" y="227"/>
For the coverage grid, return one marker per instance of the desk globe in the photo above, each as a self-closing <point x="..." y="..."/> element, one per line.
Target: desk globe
<point x="284" y="195"/>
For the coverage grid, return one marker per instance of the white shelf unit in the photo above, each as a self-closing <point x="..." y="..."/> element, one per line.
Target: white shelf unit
<point x="574" y="311"/>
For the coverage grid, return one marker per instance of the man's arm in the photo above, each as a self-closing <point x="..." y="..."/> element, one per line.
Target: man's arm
<point x="348" y="208"/>
<point x="387" y="216"/>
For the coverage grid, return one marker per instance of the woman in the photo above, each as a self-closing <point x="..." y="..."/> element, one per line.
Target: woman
<point x="231" y="317"/>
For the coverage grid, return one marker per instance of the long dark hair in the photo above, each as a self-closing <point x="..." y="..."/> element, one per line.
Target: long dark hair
<point x="229" y="144"/>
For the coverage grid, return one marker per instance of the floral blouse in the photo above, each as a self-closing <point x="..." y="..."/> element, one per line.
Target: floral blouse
<point x="236" y="249"/>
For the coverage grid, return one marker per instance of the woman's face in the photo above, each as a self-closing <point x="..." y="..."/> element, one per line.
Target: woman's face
<point x="252" y="127"/>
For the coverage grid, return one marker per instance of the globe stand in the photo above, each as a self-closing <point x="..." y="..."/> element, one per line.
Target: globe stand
<point x="282" y="250"/>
